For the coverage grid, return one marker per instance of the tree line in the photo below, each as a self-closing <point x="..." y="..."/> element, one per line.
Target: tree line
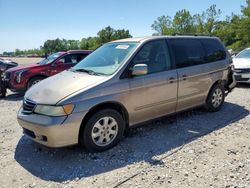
<point x="234" y="31"/>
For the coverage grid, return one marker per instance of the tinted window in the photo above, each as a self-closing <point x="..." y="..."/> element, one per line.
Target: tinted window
<point x="214" y="50"/>
<point x="187" y="52"/>
<point x="81" y="57"/>
<point x="154" y="54"/>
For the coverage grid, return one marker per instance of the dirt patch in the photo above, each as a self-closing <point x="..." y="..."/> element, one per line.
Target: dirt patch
<point x="25" y="60"/>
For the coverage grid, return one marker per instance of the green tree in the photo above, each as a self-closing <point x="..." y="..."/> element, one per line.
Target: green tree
<point x="121" y="34"/>
<point x="105" y="35"/>
<point x="183" y="22"/>
<point x="162" y="26"/>
<point x="211" y="18"/>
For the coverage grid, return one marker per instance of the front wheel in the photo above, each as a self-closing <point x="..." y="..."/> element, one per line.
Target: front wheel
<point x="216" y="98"/>
<point x="103" y="131"/>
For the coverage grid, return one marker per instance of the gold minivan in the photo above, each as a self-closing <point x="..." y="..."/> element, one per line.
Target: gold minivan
<point x="124" y="83"/>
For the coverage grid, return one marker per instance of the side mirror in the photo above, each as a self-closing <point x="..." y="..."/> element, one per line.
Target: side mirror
<point x="140" y="69"/>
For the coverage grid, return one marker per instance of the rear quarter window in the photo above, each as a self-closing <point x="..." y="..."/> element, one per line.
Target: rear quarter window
<point x="215" y="51"/>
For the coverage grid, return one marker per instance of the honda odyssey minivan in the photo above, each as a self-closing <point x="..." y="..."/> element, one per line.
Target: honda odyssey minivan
<point x="124" y="83"/>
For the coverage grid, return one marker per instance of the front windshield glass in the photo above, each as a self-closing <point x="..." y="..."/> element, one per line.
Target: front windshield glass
<point x="244" y="54"/>
<point x="106" y="59"/>
<point x="49" y="59"/>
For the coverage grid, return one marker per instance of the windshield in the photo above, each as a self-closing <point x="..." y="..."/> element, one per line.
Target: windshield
<point x="106" y="59"/>
<point x="244" y="54"/>
<point x="49" y="59"/>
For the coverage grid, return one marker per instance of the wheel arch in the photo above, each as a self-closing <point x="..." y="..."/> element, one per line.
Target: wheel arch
<point x="105" y="105"/>
<point x="222" y="82"/>
<point x="35" y="76"/>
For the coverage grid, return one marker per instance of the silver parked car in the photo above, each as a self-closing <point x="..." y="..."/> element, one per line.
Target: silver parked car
<point x="124" y="83"/>
<point x="242" y="66"/>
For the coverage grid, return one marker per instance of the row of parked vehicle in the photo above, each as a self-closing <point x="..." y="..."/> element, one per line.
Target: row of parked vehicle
<point x="121" y="84"/>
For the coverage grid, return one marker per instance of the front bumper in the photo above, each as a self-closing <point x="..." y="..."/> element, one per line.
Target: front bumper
<point x="242" y="77"/>
<point x="14" y="87"/>
<point x="51" y="131"/>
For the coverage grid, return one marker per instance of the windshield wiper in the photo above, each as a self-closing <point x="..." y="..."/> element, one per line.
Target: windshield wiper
<point x="91" y="72"/>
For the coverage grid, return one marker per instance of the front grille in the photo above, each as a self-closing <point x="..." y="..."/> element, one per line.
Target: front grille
<point x="28" y="106"/>
<point x="242" y="70"/>
<point x="240" y="79"/>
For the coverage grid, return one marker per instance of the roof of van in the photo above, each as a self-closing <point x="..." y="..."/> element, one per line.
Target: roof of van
<point x="143" y="39"/>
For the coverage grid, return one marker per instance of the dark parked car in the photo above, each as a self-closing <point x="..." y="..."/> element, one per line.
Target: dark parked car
<point x="23" y="77"/>
<point x="4" y="65"/>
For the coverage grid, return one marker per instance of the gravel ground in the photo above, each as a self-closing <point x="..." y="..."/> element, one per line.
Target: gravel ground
<point x="191" y="149"/>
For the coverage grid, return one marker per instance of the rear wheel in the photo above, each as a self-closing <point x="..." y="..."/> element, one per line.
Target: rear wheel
<point x="34" y="81"/>
<point x="216" y="98"/>
<point x="103" y="131"/>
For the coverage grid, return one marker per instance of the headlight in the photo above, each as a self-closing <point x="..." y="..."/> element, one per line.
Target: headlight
<point x="54" y="110"/>
<point x="19" y="75"/>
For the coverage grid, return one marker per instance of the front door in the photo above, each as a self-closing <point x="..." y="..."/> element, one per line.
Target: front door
<point x="154" y="94"/>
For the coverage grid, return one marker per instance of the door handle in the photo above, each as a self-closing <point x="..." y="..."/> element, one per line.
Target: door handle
<point x="184" y="77"/>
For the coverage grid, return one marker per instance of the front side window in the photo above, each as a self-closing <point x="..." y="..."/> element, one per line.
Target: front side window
<point x="187" y="52"/>
<point x="155" y="55"/>
<point x="106" y="59"/>
<point x="69" y="59"/>
<point x="81" y="56"/>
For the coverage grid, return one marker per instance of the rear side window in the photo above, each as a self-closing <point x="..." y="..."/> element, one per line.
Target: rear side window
<point x="214" y="50"/>
<point x="187" y="52"/>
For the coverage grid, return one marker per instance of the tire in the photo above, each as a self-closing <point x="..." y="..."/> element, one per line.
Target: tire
<point x="215" y="98"/>
<point x="102" y="131"/>
<point x="2" y="90"/>
<point x="2" y="93"/>
<point x="34" y="81"/>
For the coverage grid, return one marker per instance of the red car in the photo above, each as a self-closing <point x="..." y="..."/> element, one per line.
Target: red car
<point x="22" y="77"/>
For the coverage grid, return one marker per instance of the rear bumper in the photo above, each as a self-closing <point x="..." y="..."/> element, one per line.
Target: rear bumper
<point x="51" y="131"/>
<point x="231" y="84"/>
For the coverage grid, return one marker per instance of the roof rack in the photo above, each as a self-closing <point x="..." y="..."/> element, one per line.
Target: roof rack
<point x="192" y="34"/>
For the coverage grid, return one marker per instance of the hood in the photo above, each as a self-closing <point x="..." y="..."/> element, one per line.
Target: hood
<point x="21" y="67"/>
<point x="241" y="63"/>
<point x="55" y="88"/>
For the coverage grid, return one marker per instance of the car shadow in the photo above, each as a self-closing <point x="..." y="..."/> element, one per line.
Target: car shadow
<point x="143" y="144"/>
<point x="14" y="97"/>
<point x="243" y="85"/>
